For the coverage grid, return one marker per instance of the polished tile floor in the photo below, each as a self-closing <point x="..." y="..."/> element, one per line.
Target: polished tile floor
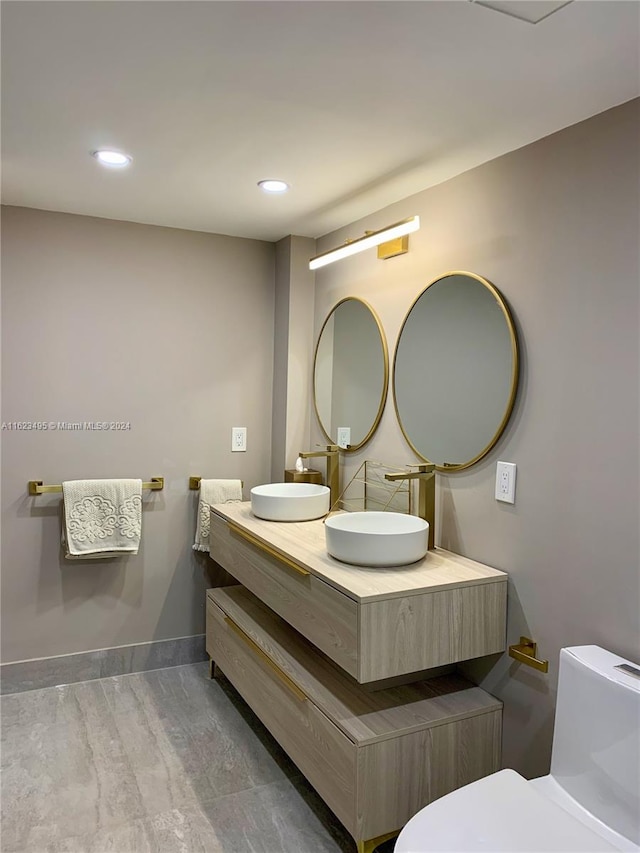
<point x="166" y="761"/>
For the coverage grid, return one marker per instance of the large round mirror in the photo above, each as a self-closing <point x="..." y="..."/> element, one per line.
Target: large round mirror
<point x="350" y="373"/>
<point x="455" y="371"/>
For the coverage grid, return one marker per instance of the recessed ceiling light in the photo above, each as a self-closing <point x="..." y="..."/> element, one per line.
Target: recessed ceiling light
<point x="111" y="158"/>
<point x="273" y="186"/>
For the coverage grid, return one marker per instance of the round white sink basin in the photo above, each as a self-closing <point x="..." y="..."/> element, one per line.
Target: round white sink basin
<point x="290" y="501"/>
<point x="377" y="538"/>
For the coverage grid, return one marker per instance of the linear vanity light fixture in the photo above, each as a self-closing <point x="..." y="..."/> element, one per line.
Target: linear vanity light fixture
<point x="390" y="234"/>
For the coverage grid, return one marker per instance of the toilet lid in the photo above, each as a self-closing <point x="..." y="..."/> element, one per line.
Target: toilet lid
<point x="501" y="813"/>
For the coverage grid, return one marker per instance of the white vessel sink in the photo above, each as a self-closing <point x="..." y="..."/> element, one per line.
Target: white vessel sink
<point x="376" y="538"/>
<point x="290" y="501"/>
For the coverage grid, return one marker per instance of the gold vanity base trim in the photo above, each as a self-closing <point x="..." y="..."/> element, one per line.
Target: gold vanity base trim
<point x="370" y="845"/>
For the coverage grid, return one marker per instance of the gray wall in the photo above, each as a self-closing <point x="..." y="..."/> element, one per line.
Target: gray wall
<point x="555" y="227"/>
<point x="170" y="330"/>
<point x="292" y="356"/>
<point x="174" y="331"/>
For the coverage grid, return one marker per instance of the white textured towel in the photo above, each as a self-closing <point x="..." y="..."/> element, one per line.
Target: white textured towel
<point x="102" y="518"/>
<point x="213" y="492"/>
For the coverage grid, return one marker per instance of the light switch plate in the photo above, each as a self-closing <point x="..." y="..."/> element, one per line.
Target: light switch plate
<point x="506" y="482"/>
<point x="344" y="437"/>
<point x="238" y="439"/>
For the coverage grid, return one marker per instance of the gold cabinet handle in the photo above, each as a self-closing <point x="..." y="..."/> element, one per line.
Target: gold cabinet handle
<point x="253" y="540"/>
<point x="255" y="648"/>
<point x="525" y="652"/>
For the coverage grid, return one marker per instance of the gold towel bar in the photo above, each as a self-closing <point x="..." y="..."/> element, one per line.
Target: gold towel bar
<point x="36" y="487"/>
<point x="525" y="652"/>
<point x="194" y="483"/>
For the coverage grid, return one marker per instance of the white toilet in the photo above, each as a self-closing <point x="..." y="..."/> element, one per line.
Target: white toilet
<point x="591" y="799"/>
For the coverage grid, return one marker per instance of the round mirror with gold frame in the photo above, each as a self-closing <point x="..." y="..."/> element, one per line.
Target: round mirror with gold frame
<point x="455" y="370"/>
<point x="350" y="373"/>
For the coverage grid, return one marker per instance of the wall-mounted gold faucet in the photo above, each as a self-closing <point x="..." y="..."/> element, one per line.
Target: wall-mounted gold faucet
<point x="426" y="476"/>
<point x="332" y="455"/>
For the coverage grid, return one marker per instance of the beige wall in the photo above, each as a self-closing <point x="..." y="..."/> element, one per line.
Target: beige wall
<point x="555" y="227"/>
<point x="292" y="355"/>
<point x="170" y="330"/>
<point x="174" y="331"/>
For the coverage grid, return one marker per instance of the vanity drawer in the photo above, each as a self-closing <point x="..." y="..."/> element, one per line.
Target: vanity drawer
<point x="376" y="758"/>
<point x="418" y="632"/>
<point x="321" y="751"/>
<point x="327" y="617"/>
<point x="375" y="624"/>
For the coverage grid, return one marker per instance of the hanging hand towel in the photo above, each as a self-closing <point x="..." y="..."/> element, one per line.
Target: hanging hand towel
<point x="102" y="518"/>
<point x="213" y="492"/>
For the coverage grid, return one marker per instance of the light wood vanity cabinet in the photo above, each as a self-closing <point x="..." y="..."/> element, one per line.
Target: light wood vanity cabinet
<point x="374" y="623"/>
<point x="327" y="617"/>
<point x="304" y="632"/>
<point x="375" y="757"/>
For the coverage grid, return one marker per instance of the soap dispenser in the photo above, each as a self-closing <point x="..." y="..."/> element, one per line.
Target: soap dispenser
<point x="300" y="474"/>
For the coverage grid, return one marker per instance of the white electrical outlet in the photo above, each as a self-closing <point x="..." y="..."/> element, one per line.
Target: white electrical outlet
<point x="344" y="437"/>
<point x="506" y="482"/>
<point x="238" y="439"/>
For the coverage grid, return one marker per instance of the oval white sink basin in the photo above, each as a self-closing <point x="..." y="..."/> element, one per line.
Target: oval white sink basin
<point x="376" y="538"/>
<point x="290" y="501"/>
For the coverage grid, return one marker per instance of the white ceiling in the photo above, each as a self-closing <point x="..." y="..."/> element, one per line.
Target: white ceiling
<point x="355" y="104"/>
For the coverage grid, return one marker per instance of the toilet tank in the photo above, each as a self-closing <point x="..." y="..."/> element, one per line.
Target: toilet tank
<point x="596" y="738"/>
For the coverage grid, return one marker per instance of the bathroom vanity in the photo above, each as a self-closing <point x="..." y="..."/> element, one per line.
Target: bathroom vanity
<point x="332" y="659"/>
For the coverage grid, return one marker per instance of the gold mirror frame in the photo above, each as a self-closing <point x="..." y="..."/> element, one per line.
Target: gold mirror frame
<point x="515" y="370"/>
<point x="385" y="381"/>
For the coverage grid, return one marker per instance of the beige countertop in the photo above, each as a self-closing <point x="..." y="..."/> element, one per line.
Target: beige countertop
<point x="304" y="543"/>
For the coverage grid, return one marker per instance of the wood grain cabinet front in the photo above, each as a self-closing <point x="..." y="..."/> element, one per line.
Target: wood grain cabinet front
<point x="322" y="613"/>
<point x="374" y="623"/>
<point x="375" y="757"/>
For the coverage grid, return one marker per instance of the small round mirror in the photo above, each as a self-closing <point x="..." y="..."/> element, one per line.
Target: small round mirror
<point x="455" y="371"/>
<point x="350" y="373"/>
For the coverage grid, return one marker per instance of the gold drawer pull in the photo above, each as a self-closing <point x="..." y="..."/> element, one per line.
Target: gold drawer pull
<point x="266" y="548"/>
<point x="255" y="648"/>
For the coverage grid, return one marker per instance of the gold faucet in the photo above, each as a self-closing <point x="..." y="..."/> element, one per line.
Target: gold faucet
<point x="426" y="476"/>
<point x="332" y="455"/>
